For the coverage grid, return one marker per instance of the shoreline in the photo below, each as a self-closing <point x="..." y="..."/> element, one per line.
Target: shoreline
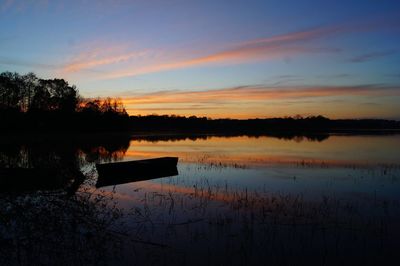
<point x="162" y="134"/>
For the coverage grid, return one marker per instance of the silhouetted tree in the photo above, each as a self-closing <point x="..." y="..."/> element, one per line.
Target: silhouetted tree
<point x="30" y="82"/>
<point x="10" y="91"/>
<point x="51" y="104"/>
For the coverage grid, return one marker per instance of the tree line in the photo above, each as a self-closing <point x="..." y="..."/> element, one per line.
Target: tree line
<point x="29" y="102"/>
<point x="280" y="127"/>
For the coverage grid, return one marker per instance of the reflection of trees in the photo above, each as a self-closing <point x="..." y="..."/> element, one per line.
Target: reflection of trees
<point x="51" y="228"/>
<point x="101" y="153"/>
<point x="110" y="149"/>
<point x="60" y="152"/>
<point x="295" y="136"/>
<point x="299" y="137"/>
<point x="65" y="159"/>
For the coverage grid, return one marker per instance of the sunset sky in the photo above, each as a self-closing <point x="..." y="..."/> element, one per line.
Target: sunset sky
<point x="215" y="58"/>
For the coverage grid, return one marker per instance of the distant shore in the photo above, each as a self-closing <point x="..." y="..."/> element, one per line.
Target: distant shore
<point x="112" y="123"/>
<point x="164" y="135"/>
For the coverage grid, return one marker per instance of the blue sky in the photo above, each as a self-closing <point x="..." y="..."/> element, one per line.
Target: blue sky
<point x="214" y="58"/>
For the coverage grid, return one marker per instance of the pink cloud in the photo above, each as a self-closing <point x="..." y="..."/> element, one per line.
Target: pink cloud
<point x="257" y="94"/>
<point x="124" y="59"/>
<point x="88" y="63"/>
<point x="264" y="101"/>
<point x="253" y="50"/>
<point x="123" y="62"/>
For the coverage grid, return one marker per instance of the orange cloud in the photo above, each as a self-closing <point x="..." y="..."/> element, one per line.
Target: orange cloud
<point x="97" y="53"/>
<point x="120" y="56"/>
<point x="90" y="63"/>
<point x="257" y="93"/>
<point x="264" y="101"/>
<point x="268" y="48"/>
<point x="259" y="49"/>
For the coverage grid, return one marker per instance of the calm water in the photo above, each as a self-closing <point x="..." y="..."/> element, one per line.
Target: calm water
<point x="236" y="201"/>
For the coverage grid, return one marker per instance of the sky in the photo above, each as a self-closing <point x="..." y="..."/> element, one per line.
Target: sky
<point x="214" y="58"/>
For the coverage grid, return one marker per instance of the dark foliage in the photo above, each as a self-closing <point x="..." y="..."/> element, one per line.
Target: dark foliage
<point x="33" y="104"/>
<point x="280" y="126"/>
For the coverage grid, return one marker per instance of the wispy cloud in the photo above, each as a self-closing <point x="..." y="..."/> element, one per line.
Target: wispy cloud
<point x="336" y="76"/>
<point x="371" y="56"/>
<point x="264" y="101"/>
<point x="127" y="64"/>
<point x="34" y="66"/>
<point x="283" y="80"/>
<point x="258" y="93"/>
<point x="123" y="60"/>
<point x="92" y="61"/>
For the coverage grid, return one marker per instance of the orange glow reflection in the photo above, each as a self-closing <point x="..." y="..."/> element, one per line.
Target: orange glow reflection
<point x="245" y="151"/>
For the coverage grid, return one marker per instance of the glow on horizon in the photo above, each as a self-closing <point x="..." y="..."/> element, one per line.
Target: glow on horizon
<point x="238" y="59"/>
<point x="264" y="101"/>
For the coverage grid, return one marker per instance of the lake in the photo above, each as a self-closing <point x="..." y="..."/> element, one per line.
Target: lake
<point x="236" y="200"/>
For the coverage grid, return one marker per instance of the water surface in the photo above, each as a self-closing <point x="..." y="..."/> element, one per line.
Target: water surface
<point x="237" y="200"/>
<point x="265" y="197"/>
